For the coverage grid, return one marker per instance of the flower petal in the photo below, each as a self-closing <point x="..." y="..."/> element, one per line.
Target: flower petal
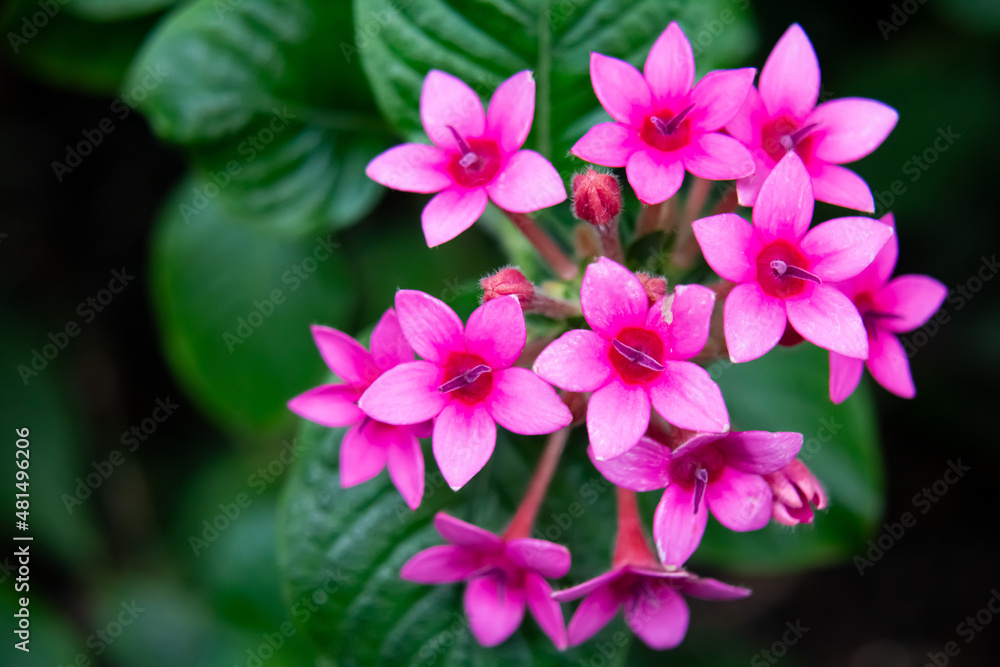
<point x="446" y="101"/>
<point x="784" y="206"/>
<point x="912" y="299"/>
<point x="759" y="452"/>
<point x="669" y="67"/>
<point x="850" y="128"/>
<point x="465" y="534"/>
<point x="548" y="559"/>
<point x="841" y="187"/>
<point x="687" y="397"/>
<point x="412" y="168"/>
<point x="655" y="179"/>
<point x="683" y="320"/>
<point x="527" y="183"/>
<point x="677" y="528"/>
<point x="546" y="611"/>
<point x="431" y="327"/>
<point x="748" y="122"/>
<point x="495" y="609"/>
<point x="729" y="245"/>
<point x="450" y="213"/>
<point x="596" y="611"/>
<point x="617" y="416"/>
<point x="789" y="80"/>
<point x="524" y="403"/>
<point x="344" y="355"/>
<point x="885" y="261"/>
<point x="753" y="322"/>
<point x="621" y="89"/>
<point x="712" y="589"/>
<point x="406" y="394"/>
<point x="612" y="298"/>
<point x="716" y="157"/>
<point x="747" y="189"/>
<point x="406" y="465"/>
<point x="658" y="614"/>
<point x="889" y="365"/>
<point x="362" y="455"/>
<point x="644" y="467"/>
<point x="576" y="361"/>
<point x="511" y="110"/>
<point x="332" y="405"/>
<point x="464" y="438"/>
<point x="608" y="144"/>
<point x="388" y="344"/>
<point x="496" y="332"/>
<point x="719" y="96"/>
<point x="828" y="318"/>
<point x="740" y="501"/>
<point x="845" y="374"/>
<point x="840" y="249"/>
<point x="443" y="564"/>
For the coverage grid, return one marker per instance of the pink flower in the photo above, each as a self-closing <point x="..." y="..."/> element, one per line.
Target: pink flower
<point x="368" y="445"/>
<point x="503" y="577"/>
<point x="726" y="471"/>
<point x="465" y="382"/>
<point x="634" y="359"/>
<point x="795" y="488"/>
<point x="653" y="599"/>
<point x="781" y="268"/>
<point x="475" y="156"/>
<point x="663" y="125"/>
<point x="783" y="117"/>
<point x="887" y="307"/>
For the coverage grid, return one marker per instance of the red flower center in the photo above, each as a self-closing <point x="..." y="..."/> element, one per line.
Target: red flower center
<point x="476" y="163"/>
<point x="467" y="378"/>
<point x="637" y="355"/>
<point x="782" y="271"/>
<point x="783" y="134"/>
<point x="666" y="130"/>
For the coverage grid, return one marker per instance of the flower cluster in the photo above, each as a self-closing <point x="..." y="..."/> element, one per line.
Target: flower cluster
<point x="655" y="419"/>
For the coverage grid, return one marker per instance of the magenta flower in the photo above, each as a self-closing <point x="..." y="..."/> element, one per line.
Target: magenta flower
<point x="663" y="125"/>
<point x="503" y="577"/>
<point x="634" y="359"/>
<point x="475" y="156"/>
<point x="465" y="382"/>
<point x="653" y="599"/>
<point x="724" y="470"/>
<point x="783" y="117"/>
<point x="781" y="268"/>
<point x="368" y="445"/>
<point x="887" y="307"/>
<point x="795" y="488"/>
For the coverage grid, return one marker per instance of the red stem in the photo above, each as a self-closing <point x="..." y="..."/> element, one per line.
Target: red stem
<point x="631" y="546"/>
<point x="520" y="526"/>
<point x="546" y="247"/>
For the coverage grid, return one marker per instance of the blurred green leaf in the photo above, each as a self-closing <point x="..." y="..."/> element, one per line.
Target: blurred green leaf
<point x="116" y="10"/>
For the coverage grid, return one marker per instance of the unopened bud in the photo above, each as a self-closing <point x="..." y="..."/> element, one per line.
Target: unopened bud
<point x="655" y="286"/>
<point x="506" y="282"/>
<point x="597" y="197"/>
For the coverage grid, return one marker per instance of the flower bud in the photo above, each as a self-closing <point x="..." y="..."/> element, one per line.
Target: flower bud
<point x="597" y="198"/>
<point x="795" y="488"/>
<point x="506" y="282"/>
<point x="655" y="286"/>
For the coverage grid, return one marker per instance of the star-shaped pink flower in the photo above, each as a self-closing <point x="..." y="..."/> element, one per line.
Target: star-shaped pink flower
<point x="465" y="382"/>
<point x="475" y="156"/>
<point x="664" y="126"/>
<point x="887" y="307"/>
<point x="504" y="577"/>
<point x="635" y="359"/>
<point x="783" y="117"/>
<point x="368" y="445"/>
<point x="782" y="268"/>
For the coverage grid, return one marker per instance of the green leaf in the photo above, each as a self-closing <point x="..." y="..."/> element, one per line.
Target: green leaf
<point x="116" y="10"/>
<point x="235" y="306"/>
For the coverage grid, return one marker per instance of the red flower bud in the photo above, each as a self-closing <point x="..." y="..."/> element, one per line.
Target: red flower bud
<point x="655" y="286"/>
<point x="506" y="282"/>
<point x="597" y="198"/>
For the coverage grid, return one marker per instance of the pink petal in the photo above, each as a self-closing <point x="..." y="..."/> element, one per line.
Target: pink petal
<point x="841" y="187"/>
<point x="759" y="452"/>
<point x="511" y="110"/>
<point x="644" y="467"/>
<point x="527" y="183"/>
<point x="719" y="96"/>
<point x="411" y="167"/>
<point x="658" y="615"/>
<point x="524" y="403"/>
<point x="442" y="564"/>
<point x="406" y="394"/>
<point x="747" y="189"/>
<point x="608" y="144"/>
<point x="885" y="261"/>
<point x="596" y="611"/>
<point x="686" y="396"/>
<point x="617" y="416"/>
<point x="546" y="558"/>
<point x="746" y="125"/>
<point x="655" y="176"/>
<point x="850" y="128"/>
<point x="446" y="100"/>
<point x="789" y="80"/>
<point x="753" y="322"/>
<point x="889" y="365"/>
<point x="431" y="327"/>
<point x="612" y="298"/>
<point x="621" y="89"/>
<point x="784" y="205"/>
<point x="344" y="355"/>
<point x="729" y="245"/>
<point x="546" y="611"/>
<point x="496" y="332"/>
<point x="450" y="213"/>
<point x="677" y="528"/>
<point x="712" y="589"/>
<point x="740" y="501"/>
<point x="845" y="374"/>
<point x="464" y="438"/>
<point x="586" y="588"/>
<point x="464" y="534"/>
<point x="362" y="455"/>
<point x="716" y="157"/>
<point x="406" y="465"/>
<point x="576" y="361"/>
<point x="388" y="344"/>
<point x="828" y="318"/>
<point x="682" y="320"/>
<point x="494" y="608"/>
<point x="840" y="249"/>
<point x="670" y="66"/>
<point x="912" y="299"/>
<point x="332" y="405"/>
